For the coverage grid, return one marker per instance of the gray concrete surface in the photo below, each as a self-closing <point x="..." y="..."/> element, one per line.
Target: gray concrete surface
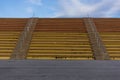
<point x="59" y="70"/>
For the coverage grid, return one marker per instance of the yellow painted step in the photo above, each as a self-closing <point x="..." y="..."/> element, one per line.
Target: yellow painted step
<point x="13" y="35"/>
<point x="59" y="40"/>
<point x="61" y="51"/>
<point x="8" y="42"/>
<point x="8" y="45"/>
<point x="3" y="47"/>
<point x="115" y="58"/>
<point x="53" y="58"/>
<point x="110" y="36"/>
<point x="60" y="37"/>
<point x="42" y="35"/>
<point x="81" y="58"/>
<point x="5" y="54"/>
<point x="111" y="39"/>
<point x="55" y="43"/>
<point x="4" y="58"/>
<point x="110" y="33"/>
<point x="58" y="33"/>
<point x="63" y="47"/>
<point x="8" y="39"/>
<point x="112" y="43"/>
<point x="59" y="48"/>
<point x="68" y="48"/>
<point x="43" y="42"/>
<point x="54" y="33"/>
<point x="61" y="55"/>
<point x="6" y="51"/>
<point x="114" y="51"/>
<point x="45" y="35"/>
<point x="42" y="58"/>
<point x="111" y="46"/>
<point x="114" y="55"/>
<point x="9" y="32"/>
<point x="32" y="45"/>
<point x="49" y="33"/>
<point x="9" y="35"/>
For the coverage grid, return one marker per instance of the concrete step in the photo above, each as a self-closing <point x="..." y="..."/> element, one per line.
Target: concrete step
<point x="60" y="58"/>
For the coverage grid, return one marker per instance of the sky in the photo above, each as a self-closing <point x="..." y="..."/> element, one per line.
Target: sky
<point x="59" y="8"/>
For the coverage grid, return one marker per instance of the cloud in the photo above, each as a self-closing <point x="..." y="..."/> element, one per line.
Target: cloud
<point x="82" y="8"/>
<point x="35" y="2"/>
<point x="32" y="5"/>
<point x="29" y="9"/>
<point x="115" y="9"/>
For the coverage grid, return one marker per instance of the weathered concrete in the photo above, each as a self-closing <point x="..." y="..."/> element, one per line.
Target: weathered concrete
<point x="59" y="70"/>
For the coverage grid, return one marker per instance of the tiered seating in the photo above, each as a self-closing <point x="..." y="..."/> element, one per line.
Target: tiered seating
<point x="60" y="45"/>
<point x="112" y="43"/>
<point x="60" y="39"/>
<point x="9" y="33"/>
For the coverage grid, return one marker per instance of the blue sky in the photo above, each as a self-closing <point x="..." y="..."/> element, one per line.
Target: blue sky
<point x="60" y="8"/>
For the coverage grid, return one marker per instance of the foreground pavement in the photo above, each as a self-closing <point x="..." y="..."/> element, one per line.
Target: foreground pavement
<point x="59" y="70"/>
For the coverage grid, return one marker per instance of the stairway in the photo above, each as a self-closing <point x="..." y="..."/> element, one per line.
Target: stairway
<point x="112" y="43"/>
<point x="60" y="45"/>
<point x="23" y="43"/>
